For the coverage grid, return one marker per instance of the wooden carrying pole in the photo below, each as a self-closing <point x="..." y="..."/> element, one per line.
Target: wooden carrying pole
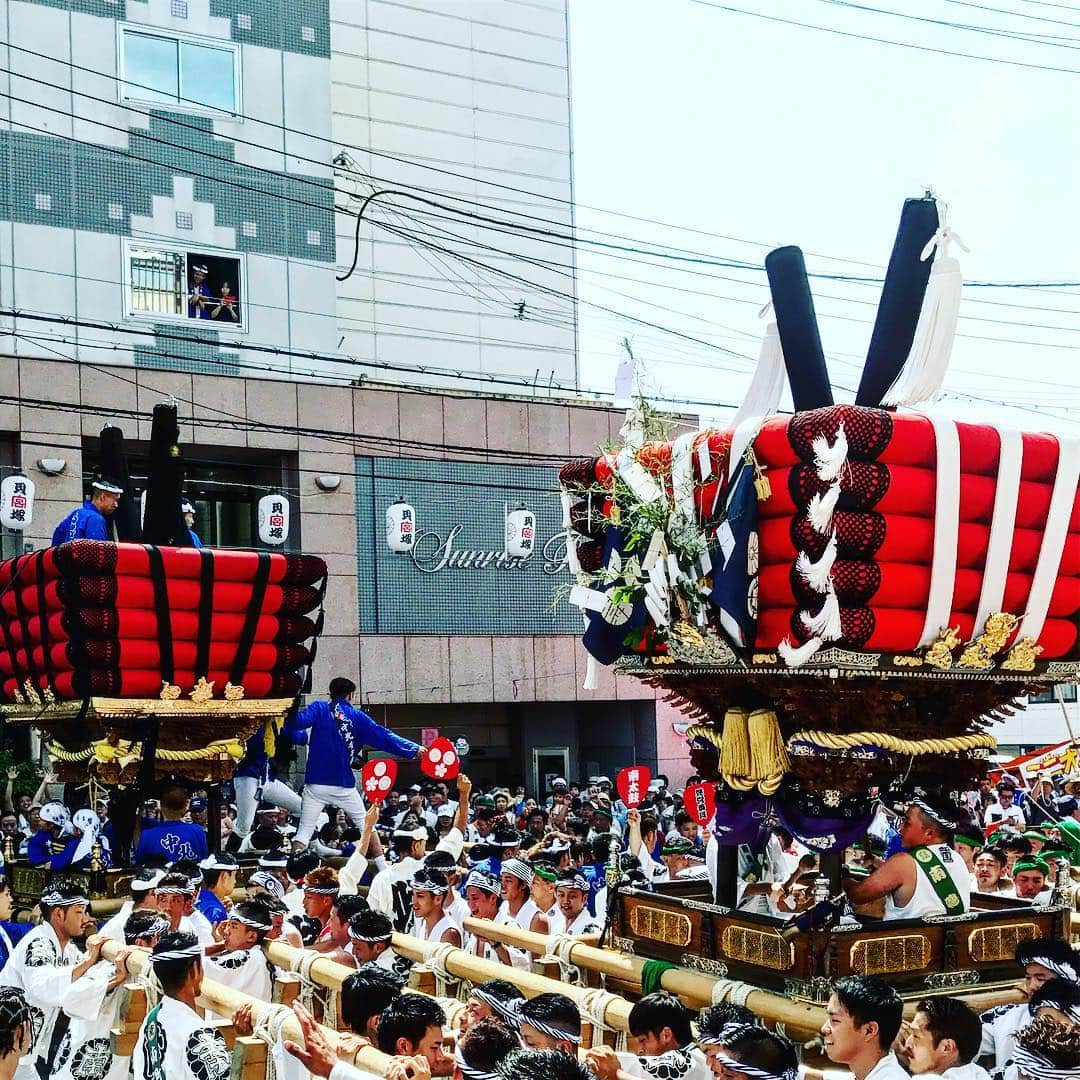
<point x="225" y="1001"/>
<point x="616" y="1011"/>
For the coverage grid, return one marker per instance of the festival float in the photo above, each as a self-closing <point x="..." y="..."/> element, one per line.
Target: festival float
<point x="151" y="659"/>
<point x="842" y="601"/>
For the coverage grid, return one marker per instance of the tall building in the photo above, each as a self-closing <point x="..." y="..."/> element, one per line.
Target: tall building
<point x="445" y="114"/>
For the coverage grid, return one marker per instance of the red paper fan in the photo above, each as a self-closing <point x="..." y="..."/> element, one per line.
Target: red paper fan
<point x="632" y="784"/>
<point x="440" y="760"/>
<point x="699" y="801"/>
<point x="378" y="777"/>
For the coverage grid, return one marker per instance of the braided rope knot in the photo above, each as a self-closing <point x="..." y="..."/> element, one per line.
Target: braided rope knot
<point x="560" y="948"/>
<point x="733" y="990"/>
<point x="593" y="1008"/>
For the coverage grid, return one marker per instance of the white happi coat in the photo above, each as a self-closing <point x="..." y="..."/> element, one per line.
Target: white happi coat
<point x="175" y="1043"/>
<point x="686" y="1064"/>
<point x="42" y="970"/>
<point x="86" y="1052"/>
<point x="244" y="970"/>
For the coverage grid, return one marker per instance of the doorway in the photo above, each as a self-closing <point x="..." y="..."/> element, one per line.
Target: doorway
<point x="548" y="762"/>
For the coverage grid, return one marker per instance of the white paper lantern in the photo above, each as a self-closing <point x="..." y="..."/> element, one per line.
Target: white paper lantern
<point x="16" y="502"/>
<point x="520" y="532"/>
<point x="400" y="526"/>
<point x="274" y="519"/>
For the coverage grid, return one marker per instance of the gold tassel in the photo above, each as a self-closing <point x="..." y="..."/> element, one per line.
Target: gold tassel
<point x="767" y="751"/>
<point x="735" y="746"/>
<point x="270" y="730"/>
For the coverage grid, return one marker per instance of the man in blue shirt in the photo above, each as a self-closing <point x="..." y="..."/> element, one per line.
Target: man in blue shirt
<point x="335" y="732"/>
<point x="188" y="509"/>
<point x="90" y="521"/>
<point x="54" y="844"/>
<point x="173" y="838"/>
<point x="199" y="297"/>
<point x="218" y="882"/>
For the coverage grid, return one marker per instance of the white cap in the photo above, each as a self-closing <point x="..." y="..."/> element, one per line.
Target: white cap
<point x="559" y="781"/>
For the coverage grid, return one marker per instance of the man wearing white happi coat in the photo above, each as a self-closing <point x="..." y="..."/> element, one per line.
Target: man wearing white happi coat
<point x="237" y="960"/>
<point x="174" y="1041"/>
<point x="483" y="893"/>
<point x="571" y="892"/>
<point x="86" y="1051"/>
<point x="1041" y="961"/>
<point x="143" y="898"/>
<point x="50" y="969"/>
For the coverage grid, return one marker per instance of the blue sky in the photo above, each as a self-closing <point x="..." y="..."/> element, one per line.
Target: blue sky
<point x="704" y="119"/>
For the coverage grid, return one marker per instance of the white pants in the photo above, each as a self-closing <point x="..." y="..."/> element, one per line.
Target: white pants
<point x="317" y="797"/>
<point x="248" y="794"/>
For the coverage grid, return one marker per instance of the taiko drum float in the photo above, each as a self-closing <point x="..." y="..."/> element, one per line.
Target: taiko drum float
<point x="150" y="660"/>
<point x="842" y="601"/>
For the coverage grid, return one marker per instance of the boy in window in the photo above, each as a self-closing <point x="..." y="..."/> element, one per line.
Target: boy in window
<point x="199" y="293"/>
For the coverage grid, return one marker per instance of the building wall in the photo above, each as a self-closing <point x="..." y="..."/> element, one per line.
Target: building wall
<point x="476" y="97"/>
<point x="85" y="172"/>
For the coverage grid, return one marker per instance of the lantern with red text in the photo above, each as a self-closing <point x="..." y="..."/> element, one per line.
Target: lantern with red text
<point x="377" y="778"/>
<point x="16" y="502"/>
<point x="632" y="783"/>
<point x="520" y="532"/>
<point x="699" y="801"/>
<point x="400" y="526"/>
<point x="440" y="760"/>
<point x="274" y="519"/>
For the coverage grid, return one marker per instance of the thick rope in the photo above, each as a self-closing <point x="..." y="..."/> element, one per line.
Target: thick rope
<point x="733" y="990"/>
<point x="435" y="957"/>
<point x="593" y="1009"/>
<point x="58" y="753"/>
<point x="560" y="947"/>
<point x="268" y="1028"/>
<point x="894" y="745"/>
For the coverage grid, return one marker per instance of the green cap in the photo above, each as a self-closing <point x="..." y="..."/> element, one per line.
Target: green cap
<point x="1031" y="864"/>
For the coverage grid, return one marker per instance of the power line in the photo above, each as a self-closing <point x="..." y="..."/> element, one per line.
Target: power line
<point x="1017" y="14"/>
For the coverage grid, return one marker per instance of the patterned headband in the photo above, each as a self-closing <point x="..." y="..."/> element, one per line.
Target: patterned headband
<point x="477" y="879"/>
<point x="248" y="919"/>
<point x="726" y="1034"/>
<point x="507" y="1009"/>
<point x="752" y="1070"/>
<point x="576" y="882"/>
<point x="1071" y="1011"/>
<point x="322" y="890"/>
<point x="370" y="939"/>
<point x="934" y="815"/>
<point x="467" y="1070"/>
<point x="159" y="926"/>
<point x="52" y="898"/>
<point x="1037" y="1067"/>
<point x="262" y="880"/>
<point x="189" y="952"/>
<point x="425" y="884"/>
<point x="518" y="868"/>
<point x="176" y="890"/>
<point x="551" y="1030"/>
<point x="1062" y="968"/>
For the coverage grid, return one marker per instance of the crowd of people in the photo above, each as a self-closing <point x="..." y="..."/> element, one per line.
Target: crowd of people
<point x="434" y="854"/>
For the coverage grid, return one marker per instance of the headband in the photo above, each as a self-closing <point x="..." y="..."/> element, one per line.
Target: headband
<point x="518" y="868"/>
<point x="934" y="815"/>
<point x="371" y="940"/>
<point x="272" y="858"/>
<point x="753" y="1071"/>
<point x="424" y="884"/>
<point x="262" y="880"/>
<point x="146" y="884"/>
<point x="1037" y="1067"/>
<point x="551" y="1030"/>
<point x="249" y="920"/>
<point x="322" y="890"/>
<point x="468" y="1071"/>
<point x="477" y="879"/>
<point x="726" y="1034"/>
<point x="52" y="898"/>
<point x="1071" y="1011"/>
<point x="507" y="1009"/>
<point x="545" y="873"/>
<point x="189" y="952"/>
<point x="176" y="890"/>
<point x="576" y="882"/>
<point x="419" y="833"/>
<point x="1061" y="968"/>
<point x="971" y="841"/>
<point x="214" y="862"/>
<point x="1032" y="864"/>
<point x="160" y="925"/>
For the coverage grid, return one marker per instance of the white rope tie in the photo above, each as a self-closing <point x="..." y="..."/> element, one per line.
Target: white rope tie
<point x="435" y="957"/>
<point x="593" y="1008"/>
<point x="560" y="947"/>
<point x="312" y="992"/>
<point x="733" y="990"/>
<point x="268" y="1027"/>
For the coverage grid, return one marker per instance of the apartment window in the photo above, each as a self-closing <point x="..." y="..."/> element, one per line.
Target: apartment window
<point x="185" y="283"/>
<point x="176" y="70"/>
<point x="1065" y="692"/>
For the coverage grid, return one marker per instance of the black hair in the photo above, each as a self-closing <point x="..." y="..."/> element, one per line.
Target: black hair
<point x="210" y="878"/>
<point x="266" y="838"/>
<point x="174" y="880"/>
<point x="138" y="925"/>
<point x="763" y="1049"/>
<point x="487" y="1043"/>
<point x="349" y="904"/>
<point x="408" y="1018"/>
<point x="654" y="1012"/>
<point x="367" y="993"/>
<point x="542" y="1065"/>
<point x="869" y="997"/>
<point x="432" y="881"/>
<point x="1056" y="992"/>
<point x="601" y="848"/>
<point x="172" y="974"/>
<point x="502" y="989"/>
<point x="14" y="1015"/>
<point x="648" y="824"/>
<point x="555" y="1009"/>
<point x="951" y="1018"/>
<point x="1017" y="843"/>
<point x="301" y="864"/>
<point x="440" y="860"/>
<point x="155" y="862"/>
<point x="5" y="885"/>
<point x="342" y="687"/>
<point x="371" y="924"/>
<point x="717" y="1017"/>
<point x="996" y="853"/>
<point x="257" y="910"/>
<point x="68" y="889"/>
<point x="1061" y="952"/>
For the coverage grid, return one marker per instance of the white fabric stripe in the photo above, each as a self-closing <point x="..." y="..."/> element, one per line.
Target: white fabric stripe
<point x="1054" y="535"/>
<point x="682" y="474"/>
<point x="946" y="528"/>
<point x="1002" y="526"/>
